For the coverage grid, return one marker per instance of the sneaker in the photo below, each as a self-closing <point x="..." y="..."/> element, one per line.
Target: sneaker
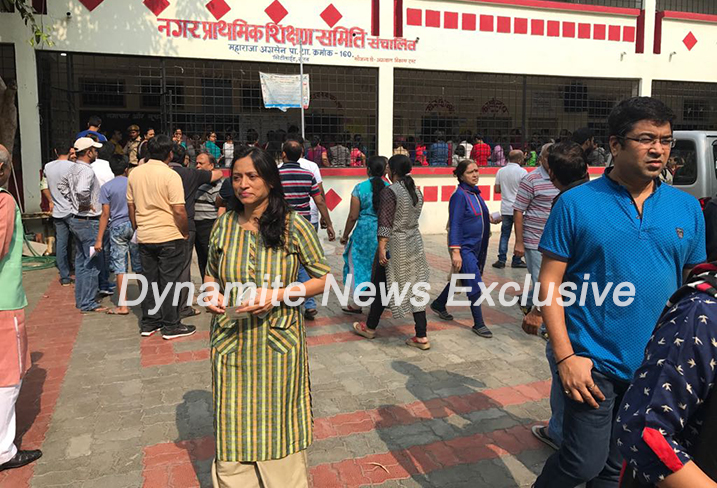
<point x="107" y="293"/>
<point x="180" y="330"/>
<point x="147" y="332"/>
<point x="483" y="331"/>
<point x="443" y="314"/>
<point x="519" y="264"/>
<point x="541" y="432"/>
<point x="499" y="264"/>
<point x="310" y="313"/>
<point x="66" y="282"/>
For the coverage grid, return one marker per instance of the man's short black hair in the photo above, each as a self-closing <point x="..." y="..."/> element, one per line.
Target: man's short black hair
<point x="179" y="153"/>
<point x="567" y="162"/>
<point x="632" y="110"/>
<point x="94" y="121"/>
<point x="159" y="147"/>
<point x="292" y="149"/>
<point x="106" y="151"/>
<point x="118" y="164"/>
<point x="62" y="148"/>
<point x="582" y="135"/>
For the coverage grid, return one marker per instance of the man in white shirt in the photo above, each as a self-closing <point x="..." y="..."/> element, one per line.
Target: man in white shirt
<point x="60" y="207"/>
<point x="101" y="166"/>
<point x="103" y="172"/>
<point x="507" y="182"/>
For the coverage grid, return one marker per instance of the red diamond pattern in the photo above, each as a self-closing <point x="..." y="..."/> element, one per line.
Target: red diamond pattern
<point x="331" y="15"/>
<point x="276" y="11"/>
<point x="690" y="40"/>
<point x="218" y="8"/>
<point x="156" y="6"/>
<point x="332" y="199"/>
<point x="91" y="4"/>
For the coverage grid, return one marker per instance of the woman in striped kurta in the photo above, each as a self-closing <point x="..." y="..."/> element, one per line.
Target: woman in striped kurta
<point x="260" y="367"/>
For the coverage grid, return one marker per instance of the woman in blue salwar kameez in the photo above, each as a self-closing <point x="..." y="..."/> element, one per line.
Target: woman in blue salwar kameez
<point x="468" y="231"/>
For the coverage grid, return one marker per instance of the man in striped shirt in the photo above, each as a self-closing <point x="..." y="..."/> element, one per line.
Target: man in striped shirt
<point x="530" y="213"/>
<point x="300" y="186"/>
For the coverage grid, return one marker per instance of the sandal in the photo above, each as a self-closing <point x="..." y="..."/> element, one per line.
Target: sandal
<point x="413" y="342"/>
<point x="192" y="313"/>
<point x="361" y="329"/>
<point x="96" y="310"/>
<point x="352" y="310"/>
<point x="114" y="311"/>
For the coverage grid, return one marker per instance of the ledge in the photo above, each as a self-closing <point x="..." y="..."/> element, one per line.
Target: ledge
<point x="549" y="5"/>
<point x="417" y="170"/>
<point x="671" y="14"/>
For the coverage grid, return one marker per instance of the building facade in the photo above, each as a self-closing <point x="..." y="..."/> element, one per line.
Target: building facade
<point x="514" y="70"/>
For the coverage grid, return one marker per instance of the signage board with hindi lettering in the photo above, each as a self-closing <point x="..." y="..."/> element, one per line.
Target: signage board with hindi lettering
<point x="285" y="91"/>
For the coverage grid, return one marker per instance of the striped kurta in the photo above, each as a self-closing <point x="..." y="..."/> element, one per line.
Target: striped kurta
<point x="260" y="368"/>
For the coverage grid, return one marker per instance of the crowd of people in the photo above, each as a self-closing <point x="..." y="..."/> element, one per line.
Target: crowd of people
<point x="631" y="384"/>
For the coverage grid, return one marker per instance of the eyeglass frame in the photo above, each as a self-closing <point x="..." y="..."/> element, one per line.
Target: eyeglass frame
<point x="671" y="145"/>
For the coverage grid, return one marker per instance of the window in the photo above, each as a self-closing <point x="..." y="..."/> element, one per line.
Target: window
<point x="102" y="93"/>
<point x="684" y="160"/>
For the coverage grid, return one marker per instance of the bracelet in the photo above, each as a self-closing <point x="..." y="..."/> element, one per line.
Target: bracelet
<point x="566" y="357"/>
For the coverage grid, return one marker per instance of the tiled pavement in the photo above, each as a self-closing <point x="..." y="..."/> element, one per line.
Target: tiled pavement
<point x="112" y="410"/>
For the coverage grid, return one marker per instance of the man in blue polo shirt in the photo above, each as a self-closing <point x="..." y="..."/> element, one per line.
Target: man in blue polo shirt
<point x="622" y="228"/>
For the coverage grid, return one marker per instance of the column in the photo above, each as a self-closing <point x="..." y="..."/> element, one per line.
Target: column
<point x="385" y="111"/>
<point x="29" y="123"/>
<point x="650" y="7"/>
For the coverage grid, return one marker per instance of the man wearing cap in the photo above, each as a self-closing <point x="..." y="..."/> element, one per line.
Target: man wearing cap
<point x="131" y="149"/>
<point x="82" y="189"/>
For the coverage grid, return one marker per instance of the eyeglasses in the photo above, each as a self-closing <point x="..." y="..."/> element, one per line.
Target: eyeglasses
<point x="648" y="141"/>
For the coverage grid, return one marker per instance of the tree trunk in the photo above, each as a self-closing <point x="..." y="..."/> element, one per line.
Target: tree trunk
<point x="8" y="114"/>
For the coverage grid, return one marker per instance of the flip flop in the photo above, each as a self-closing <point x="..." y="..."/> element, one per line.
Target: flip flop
<point x="352" y="310"/>
<point x="96" y="310"/>
<point x="113" y="311"/>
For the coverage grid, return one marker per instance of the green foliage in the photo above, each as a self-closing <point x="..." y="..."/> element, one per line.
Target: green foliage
<point x="40" y="34"/>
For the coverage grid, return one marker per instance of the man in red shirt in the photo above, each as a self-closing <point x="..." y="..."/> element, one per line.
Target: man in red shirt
<point x="481" y="151"/>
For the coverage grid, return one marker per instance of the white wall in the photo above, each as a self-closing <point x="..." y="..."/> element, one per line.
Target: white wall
<point x="128" y="27"/>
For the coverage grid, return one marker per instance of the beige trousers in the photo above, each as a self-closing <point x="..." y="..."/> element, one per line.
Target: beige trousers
<point x="288" y="472"/>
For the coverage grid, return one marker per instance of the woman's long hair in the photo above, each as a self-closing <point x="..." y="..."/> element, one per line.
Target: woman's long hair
<point x="272" y="224"/>
<point x="376" y="169"/>
<point x="401" y="167"/>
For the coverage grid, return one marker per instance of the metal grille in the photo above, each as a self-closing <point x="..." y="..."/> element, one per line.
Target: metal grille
<point x="199" y="96"/>
<point x="694" y="104"/>
<point x="606" y="3"/>
<point x="9" y="75"/>
<point x="515" y="110"/>
<point x="694" y="6"/>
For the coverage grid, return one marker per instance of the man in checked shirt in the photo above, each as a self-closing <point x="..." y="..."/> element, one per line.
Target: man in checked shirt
<point x="81" y="188"/>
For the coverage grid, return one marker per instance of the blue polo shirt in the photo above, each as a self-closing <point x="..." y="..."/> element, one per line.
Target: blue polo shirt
<point x="596" y="229"/>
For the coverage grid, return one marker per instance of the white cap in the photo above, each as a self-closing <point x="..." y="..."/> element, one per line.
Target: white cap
<point x="84" y="143"/>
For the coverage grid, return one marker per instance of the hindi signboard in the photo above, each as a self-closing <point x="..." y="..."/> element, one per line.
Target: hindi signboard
<point x="285" y="91"/>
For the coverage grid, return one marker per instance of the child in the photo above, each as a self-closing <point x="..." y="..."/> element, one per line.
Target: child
<point x="113" y="198"/>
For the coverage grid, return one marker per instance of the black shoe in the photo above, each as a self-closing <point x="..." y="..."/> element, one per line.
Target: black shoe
<point x="107" y="293"/>
<point x="66" y="282"/>
<point x="499" y="264"/>
<point x="482" y="331"/>
<point x="181" y="330"/>
<point x="22" y="458"/>
<point x="443" y="314"/>
<point x="519" y="264"/>
<point x="526" y="309"/>
<point x="149" y="331"/>
<point x="310" y="313"/>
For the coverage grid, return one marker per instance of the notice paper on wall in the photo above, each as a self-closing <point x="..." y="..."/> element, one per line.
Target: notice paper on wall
<point x="284" y="91"/>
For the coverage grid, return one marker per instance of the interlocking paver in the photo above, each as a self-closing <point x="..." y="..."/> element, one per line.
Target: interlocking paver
<point x="111" y="409"/>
